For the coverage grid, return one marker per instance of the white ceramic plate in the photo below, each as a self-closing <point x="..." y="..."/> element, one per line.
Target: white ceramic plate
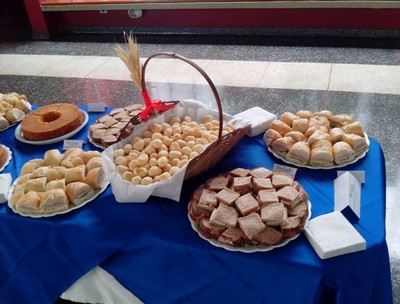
<point x="20" y="136"/>
<point x="96" y="194"/>
<point x="358" y="157"/>
<point x="9" y="156"/>
<point x="249" y="248"/>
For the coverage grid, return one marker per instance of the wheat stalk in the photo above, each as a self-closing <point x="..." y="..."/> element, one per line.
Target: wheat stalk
<point x="131" y="58"/>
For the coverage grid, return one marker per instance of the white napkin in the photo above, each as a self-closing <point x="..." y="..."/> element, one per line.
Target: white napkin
<point x="332" y="235"/>
<point x="5" y="184"/>
<point x="259" y="119"/>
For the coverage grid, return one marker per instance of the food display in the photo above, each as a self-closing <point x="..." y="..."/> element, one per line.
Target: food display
<point x="51" y="121"/>
<point x="165" y="148"/>
<point x="316" y="140"/>
<point x="13" y="108"/>
<point x="58" y="183"/>
<point x="249" y="209"/>
<point x="106" y="130"/>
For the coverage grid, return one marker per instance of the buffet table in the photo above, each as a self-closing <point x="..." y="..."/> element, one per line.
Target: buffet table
<point x="152" y="250"/>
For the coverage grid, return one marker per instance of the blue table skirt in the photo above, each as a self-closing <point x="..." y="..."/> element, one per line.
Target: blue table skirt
<point x="153" y="251"/>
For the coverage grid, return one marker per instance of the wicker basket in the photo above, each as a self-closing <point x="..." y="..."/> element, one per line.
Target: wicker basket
<point x="218" y="149"/>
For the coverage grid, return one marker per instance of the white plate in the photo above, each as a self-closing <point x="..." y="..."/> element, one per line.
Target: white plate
<point x="358" y="157"/>
<point x="249" y="248"/>
<point x="96" y="194"/>
<point x="19" y="135"/>
<point x="94" y="143"/>
<point x="11" y="125"/>
<point x="9" y="156"/>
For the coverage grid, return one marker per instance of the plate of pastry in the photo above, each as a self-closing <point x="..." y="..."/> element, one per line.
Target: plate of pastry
<point x="5" y="156"/>
<point x="13" y="107"/>
<point x="249" y="210"/>
<point x="45" y="139"/>
<point x="58" y="183"/>
<point x="319" y="140"/>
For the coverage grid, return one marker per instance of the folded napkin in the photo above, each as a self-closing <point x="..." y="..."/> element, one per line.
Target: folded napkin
<point x="259" y="118"/>
<point x="332" y="235"/>
<point x="5" y="183"/>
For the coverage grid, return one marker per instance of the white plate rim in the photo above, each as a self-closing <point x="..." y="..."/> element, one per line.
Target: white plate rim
<point x="357" y="158"/>
<point x="20" y="137"/>
<point x="9" y="157"/>
<point x="250" y="248"/>
<point x="95" y="195"/>
<point x="96" y="144"/>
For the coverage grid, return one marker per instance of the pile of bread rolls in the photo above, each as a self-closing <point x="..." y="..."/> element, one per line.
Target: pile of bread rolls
<point x="57" y="182"/>
<point x="13" y="108"/>
<point x="319" y="139"/>
<point x="165" y="148"/>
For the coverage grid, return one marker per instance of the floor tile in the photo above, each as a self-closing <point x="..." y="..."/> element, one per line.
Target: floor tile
<point x="296" y="75"/>
<point x="7" y="60"/>
<point x="75" y="66"/>
<point x="235" y="73"/>
<point x="365" y="78"/>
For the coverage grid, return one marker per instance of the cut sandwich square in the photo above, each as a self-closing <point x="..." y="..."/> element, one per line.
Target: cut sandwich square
<point x="260" y="183"/>
<point x="242" y="184"/>
<point x="247" y="204"/>
<point x="261" y="172"/>
<point x="273" y="214"/>
<point x="217" y="183"/>
<point x="267" y="196"/>
<point x="227" y="196"/>
<point x="251" y="224"/>
<point x="224" y="216"/>
<point x="280" y="180"/>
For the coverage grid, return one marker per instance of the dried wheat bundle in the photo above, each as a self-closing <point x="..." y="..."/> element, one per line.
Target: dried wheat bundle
<point x="131" y="58"/>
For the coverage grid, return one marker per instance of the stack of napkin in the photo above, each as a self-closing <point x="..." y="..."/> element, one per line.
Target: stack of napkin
<point x="259" y="119"/>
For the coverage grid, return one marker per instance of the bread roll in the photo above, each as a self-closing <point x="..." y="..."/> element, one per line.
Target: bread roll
<point x="300" y="124"/>
<point x="28" y="167"/>
<point x="299" y="153"/>
<point x="358" y="143"/>
<point x="95" y="178"/>
<point x="56" y="184"/>
<point x="95" y="162"/>
<point x="88" y="155"/>
<point x="287" y="118"/>
<point x="78" y="192"/>
<point x="341" y="119"/>
<point x="54" y="200"/>
<point x="280" y="127"/>
<point x="319" y="135"/>
<point x="282" y="145"/>
<point x="304" y="114"/>
<point x="296" y="135"/>
<point x="343" y="152"/>
<point x="336" y="134"/>
<point x="39" y="172"/>
<point x="270" y="135"/>
<point x="75" y="174"/>
<point x="36" y="185"/>
<point x="52" y="157"/>
<point x="56" y="173"/>
<point x="354" y="128"/>
<point x="321" y="154"/>
<point x="28" y="203"/>
<point x="324" y="113"/>
<point x="72" y="161"/>
<point x="3" y="123"/>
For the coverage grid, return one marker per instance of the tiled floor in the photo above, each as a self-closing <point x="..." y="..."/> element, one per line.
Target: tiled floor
<point x="362" y="82"/>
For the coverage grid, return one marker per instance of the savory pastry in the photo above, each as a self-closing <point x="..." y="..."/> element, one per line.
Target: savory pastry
<point x="51" y="121"/>
<point x="28" y="203"/>
<point x="283" y="145"/>
<point x="319" y="135"/>
<point x="358" y="143"/>
<point x="75" y="174"/>
<point x="300" y="124"/>
<point x="280" y="127"/>
<point x="288" y="118"/>
<point x="95" y="178"/>
<point x="336" y="134"/>
<point x="52" y="157"/>
<point x="36" y="185"/>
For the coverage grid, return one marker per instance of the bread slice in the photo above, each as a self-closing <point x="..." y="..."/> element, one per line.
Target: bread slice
<point x="247" y="204"/>
<point x="261" y="183"/>
<point x="224" y="215"/>
<point x="227" y="196"/>
<point x="301" y="210"/>
<point x="239" y="172"/>
<point x="251" y="225"/>
<point x="211" y="231"/>
<point x="269" y="236"/>
<point x="208" y="199"/>
<point x="273" y="214"/>
<point x="232" y="236"/>
<point x="268" y="196"/>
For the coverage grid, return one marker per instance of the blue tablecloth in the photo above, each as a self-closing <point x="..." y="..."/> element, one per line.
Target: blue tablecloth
<point x="152" y="250"/>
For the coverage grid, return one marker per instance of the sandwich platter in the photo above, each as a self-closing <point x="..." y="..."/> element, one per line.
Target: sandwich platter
<point x="20" y="136"/>
<point x="249" y="210"/>
<point x="248" y="248"/>
<point x="71" y="206"/>
<point x="357" y="158"/>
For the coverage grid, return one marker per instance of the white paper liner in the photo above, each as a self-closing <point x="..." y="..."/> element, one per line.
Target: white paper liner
<point x="123" y="190"/>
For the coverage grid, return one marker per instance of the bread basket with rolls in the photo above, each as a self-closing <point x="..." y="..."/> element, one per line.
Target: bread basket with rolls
<point x="157" y="154"/>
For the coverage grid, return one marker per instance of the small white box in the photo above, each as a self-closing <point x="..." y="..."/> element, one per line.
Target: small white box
<point x="259" y="119"/>
<point x="332" y="234"/>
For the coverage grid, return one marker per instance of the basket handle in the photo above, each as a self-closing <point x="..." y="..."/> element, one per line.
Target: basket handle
<point x="199" y="69"/>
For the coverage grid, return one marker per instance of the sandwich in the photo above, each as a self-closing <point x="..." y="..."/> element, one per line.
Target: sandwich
<point x="95" y="178"/>
<point x="289" y="196"/>
<point x="299" y="153"/>
<point x="296" y="135"/>
<point x="291" y="227"/>
<point x="343" y="153"/>
<point x="55" y="184"/>
<point x="267" y="196"/>
<point x="36" y="185"/>
<point x="324" y="113"/>
<point x="217" y="183"/>
<point x="269" y="236"/>
<point x="321" y="154"/>
<point x="224" y="215"/>
<point x="28" y="203"/>
<point x="304" y="114"/>
<point x="300" y="124"/>
<point x="260" y="183"/>
<point x="340" y="120"/>
<point x="39" y="172"/>
<point x="280" y="126"/>
<point x="270" y="136"/>
<point x="273" y="214"/>
<point x="261" y="172"/>
<point x="282" y="145"/>
<point x="52" y="157"/>
<point x="227" y="196"/>
<point x="76" y="174"/>
<point x="280" y="179"/>
<point x="354" y="128"/>
<point x="251" y="225"/>
<point x="319" y="135"/>
<point x="242" y="184"/>
<point x="78" y="192"/>
<point x="247" y="204"/>
<point x="94" y="163"/>
<point x="358" y="143"/>
<point x="336" y="134"/>
<point x="54" y="200"/>
<point x="232" y="236"/>
<point x="55" y="173"/>
<point x="288" y="118"/>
